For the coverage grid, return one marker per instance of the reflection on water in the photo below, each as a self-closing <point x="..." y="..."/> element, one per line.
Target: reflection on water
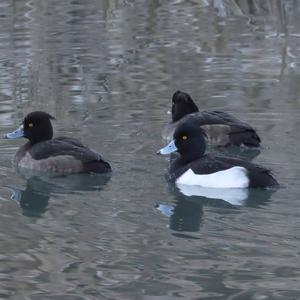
<point x="33" y="203"/>
<point x="187" y="213"/>
<point x="34" y="199"/>
<point x="234" y="196"/>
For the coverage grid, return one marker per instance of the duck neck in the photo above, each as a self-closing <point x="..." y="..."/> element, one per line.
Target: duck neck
<point x="177" y="114"/>
<point x="36" y="140"/>
<point x="180" y="165"/>
<point x="191" y="157"/>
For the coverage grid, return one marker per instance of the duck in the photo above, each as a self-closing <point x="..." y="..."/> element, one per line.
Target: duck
<point x="195" y="167"/>
<point x="60" y="155"/>
<point x="221" y="128"/>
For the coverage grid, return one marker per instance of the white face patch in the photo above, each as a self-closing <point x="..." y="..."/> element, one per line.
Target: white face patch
<point x="234" y="196"/>
<point x="235" y="177"/>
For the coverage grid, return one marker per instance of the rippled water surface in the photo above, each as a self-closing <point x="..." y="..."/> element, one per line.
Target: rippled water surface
<point x="107" y="70"/>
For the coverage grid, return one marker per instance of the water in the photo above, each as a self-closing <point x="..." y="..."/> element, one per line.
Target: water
<point x="107" y="70"/>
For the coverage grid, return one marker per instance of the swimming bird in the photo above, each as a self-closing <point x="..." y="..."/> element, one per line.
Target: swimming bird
<point x="61" y="155"/>
<point x="195" y="167"/>
<point x="221" y="128"/>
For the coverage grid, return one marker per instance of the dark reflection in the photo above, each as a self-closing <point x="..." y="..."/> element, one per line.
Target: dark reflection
<point x="33" y="203"/>
<point x="35" y="198"/>
<point x="186" y="214"/>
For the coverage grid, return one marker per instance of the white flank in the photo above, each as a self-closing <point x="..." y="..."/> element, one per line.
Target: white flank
<point x="234" y="196"/>
<point x="235" y="177"/>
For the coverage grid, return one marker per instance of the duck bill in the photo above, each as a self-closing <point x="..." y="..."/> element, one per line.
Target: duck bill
<point x="18" y="133"/>
<point x="170" y="148"/>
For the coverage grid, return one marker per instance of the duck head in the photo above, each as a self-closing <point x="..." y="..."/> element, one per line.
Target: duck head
<point x="36" y="127"/>
<point x="182" y="104"/>
<point x="188" y="140"/>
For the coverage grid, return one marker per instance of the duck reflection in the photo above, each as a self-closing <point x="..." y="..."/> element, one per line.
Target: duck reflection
<point x="226" y="197"/>
<point x="32" y="203"/>
<point x="186" y="213"/>
<point x="34" y="199"/>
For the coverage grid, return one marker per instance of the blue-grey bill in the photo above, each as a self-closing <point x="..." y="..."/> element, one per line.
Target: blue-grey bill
<point x="16" y="195"/>
<point x="170" y="148"/>
<point x="15" y="134"/>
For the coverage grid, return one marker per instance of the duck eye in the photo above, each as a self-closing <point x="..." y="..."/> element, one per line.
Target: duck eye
<point x="184" y="137"/>
<point x="30" y="125"/>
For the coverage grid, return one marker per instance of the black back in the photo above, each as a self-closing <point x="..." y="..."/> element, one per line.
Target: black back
<point x="211" y="163"/>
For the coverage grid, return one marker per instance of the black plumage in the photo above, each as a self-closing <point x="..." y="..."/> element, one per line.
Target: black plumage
<point x="221" y="128"/>
<point x="190" y="143"/>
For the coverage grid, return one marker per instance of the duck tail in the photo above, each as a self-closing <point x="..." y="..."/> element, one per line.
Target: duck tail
<point x="96" y="166"/>
<point x="247" y="137"/>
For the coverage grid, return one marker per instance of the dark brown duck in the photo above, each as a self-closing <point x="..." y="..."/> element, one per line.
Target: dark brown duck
<point x="61" y="155"/>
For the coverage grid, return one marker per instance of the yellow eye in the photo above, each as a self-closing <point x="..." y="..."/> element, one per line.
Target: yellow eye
<point x="30" y="125"/>
<point x="184" y="137"/>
